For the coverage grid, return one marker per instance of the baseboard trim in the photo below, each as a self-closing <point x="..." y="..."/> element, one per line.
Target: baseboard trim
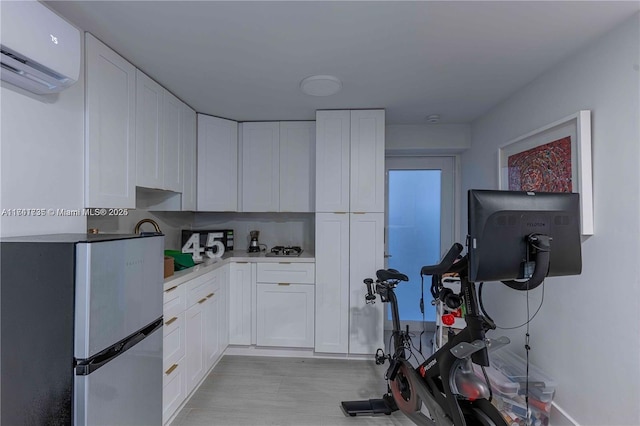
<point x="289" y="352"/>
<point x="559" y="417"/>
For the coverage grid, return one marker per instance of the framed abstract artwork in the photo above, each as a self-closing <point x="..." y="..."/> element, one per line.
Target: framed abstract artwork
<point x="554" y="158"/>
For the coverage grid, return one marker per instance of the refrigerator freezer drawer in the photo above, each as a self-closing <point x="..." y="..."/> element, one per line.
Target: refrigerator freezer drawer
<point x="125" y="391"/>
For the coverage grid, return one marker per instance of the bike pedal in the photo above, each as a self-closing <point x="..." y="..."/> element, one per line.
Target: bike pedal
<point x="393" y="369"/>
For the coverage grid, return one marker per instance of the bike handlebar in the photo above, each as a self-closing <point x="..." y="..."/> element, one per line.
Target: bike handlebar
<point x="446" y="262"/>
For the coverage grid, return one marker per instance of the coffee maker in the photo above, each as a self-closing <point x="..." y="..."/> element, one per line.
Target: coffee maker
<point x="254" y="245"/>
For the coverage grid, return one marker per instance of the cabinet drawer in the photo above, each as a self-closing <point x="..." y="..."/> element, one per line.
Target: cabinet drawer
<point x="175" y="302"/>
<point x="174" y="388"/>
<point x="285" y="272"/>
<point x="173" y="342"/>
<point x="202" y="287"/>
<point x="175" y="296"/>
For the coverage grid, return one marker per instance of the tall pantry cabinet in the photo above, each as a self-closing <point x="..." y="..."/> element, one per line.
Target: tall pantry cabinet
<point x="349" y="229"/>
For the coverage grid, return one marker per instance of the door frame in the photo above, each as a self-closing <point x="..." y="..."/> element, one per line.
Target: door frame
<point x="450" y="180"/>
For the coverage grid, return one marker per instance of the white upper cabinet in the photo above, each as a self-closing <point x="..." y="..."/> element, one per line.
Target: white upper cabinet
<point x="110" y="128"/>
<point x="217" y="185"/>
<point x="332" y="161"/>
<point x="260" y="167"/>
<point x="172" y="142"/>
<point x="149" y="149"/>
<point x="297" y="166"/>
<point x="367" y="161"/>
<point x="188" y="158"/>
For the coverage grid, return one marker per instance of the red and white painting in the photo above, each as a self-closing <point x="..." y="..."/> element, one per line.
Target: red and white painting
<point x="545" y="168"/>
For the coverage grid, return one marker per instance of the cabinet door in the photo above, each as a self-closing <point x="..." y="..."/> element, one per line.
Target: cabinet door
<point x="149" y="149"/>
<point x="260" y="165"/>
<point x="367" y="161"/>
<point x="110" y="128"/>
<point x="285" y="315"/>
<point x="332" y="283"/>
<point x="297" y="166"/>
<point x="240" y="302"/>
<point x="211" y="310"/>
<point x="332" y="161"/>
<point x="194" y="350"/>
<point x="172" y="142"/>
<point x="188" y="158"/>
<point x="217" y="186"/>
<point x="223" y="324"/>
<point x="366" y="256"/>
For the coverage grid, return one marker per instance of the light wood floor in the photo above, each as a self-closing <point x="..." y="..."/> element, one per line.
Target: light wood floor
<point x="246" y="391"/>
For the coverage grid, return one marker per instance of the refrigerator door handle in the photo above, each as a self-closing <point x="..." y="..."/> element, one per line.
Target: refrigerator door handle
<point x="89" y="365"/>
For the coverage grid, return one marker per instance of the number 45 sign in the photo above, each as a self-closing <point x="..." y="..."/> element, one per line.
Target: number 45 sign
<point x="213" y="249"/>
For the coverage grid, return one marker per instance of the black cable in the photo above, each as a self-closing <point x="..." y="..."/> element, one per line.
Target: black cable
<point x="527" y="349"/>
<point x="517" y="326"/>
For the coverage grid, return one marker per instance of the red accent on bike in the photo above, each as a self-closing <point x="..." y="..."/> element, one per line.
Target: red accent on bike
<point x="423" y="372"/>
<point x="448" y="319"/>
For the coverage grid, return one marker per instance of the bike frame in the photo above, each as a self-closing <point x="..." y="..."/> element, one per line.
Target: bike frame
<point x="437" y="370"/>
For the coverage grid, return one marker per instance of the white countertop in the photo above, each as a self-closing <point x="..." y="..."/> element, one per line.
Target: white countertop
<point x="179" y="277"/>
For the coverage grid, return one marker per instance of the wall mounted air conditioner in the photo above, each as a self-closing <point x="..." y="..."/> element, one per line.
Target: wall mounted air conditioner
<point x="40" y="50"/>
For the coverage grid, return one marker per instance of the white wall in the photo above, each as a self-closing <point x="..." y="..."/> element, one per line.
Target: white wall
<point x="586" y="334"/>
<point x="427" y="139"/>
<point x="41" y="157"/>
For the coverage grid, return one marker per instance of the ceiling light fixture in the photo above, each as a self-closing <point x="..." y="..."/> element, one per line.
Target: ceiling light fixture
<point x="321" y="85"/>
<point x="433" y="119"/>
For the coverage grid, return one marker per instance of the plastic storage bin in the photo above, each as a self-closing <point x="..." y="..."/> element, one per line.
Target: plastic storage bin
<point x="508" y="377"/>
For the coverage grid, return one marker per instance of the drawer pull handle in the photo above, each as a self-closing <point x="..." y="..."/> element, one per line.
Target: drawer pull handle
<point x="171" y="289"/>
<point x="210" y="295"/>
<point x="242" y="262"/>
<point x="285" y="263"/>
<point x="284" y="283"/>
<point x="170" y="370"/>
<point x="171" y="321"/>
<point x="204" y="299"/>
<point x="359" y="212"/>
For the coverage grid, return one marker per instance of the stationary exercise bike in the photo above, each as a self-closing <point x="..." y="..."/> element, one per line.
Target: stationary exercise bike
<point x="445" y="383"/>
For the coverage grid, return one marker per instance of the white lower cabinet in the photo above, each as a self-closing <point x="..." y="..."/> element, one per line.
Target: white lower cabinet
<point x="240" y="302"/>
<point x="332" y="283"/>
<point x="285" y="315"/>
<point x="174" y="382"/>
<point x="285" y="311"/>
<point x="366" y="256"/>
<point x="195" y="335"/>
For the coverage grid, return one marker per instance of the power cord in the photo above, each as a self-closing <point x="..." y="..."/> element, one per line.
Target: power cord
<point x="527" y="345"/>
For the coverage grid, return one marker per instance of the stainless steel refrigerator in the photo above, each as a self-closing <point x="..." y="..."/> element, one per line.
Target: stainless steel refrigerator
<point x="81" y="330"/>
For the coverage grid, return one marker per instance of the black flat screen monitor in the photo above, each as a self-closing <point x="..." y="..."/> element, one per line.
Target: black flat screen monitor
<point x="501" y="221"/>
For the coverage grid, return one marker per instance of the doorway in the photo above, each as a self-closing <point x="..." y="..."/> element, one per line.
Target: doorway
<point x="420" y="228"/>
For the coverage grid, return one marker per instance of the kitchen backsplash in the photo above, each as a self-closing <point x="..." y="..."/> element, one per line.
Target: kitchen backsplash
<point x="288" y="229"/>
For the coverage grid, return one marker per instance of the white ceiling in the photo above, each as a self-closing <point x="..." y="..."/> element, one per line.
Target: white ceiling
<point x="245" y="60"/>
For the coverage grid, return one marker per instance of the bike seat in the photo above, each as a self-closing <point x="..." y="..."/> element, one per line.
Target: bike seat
<point x="390" y="274"/>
